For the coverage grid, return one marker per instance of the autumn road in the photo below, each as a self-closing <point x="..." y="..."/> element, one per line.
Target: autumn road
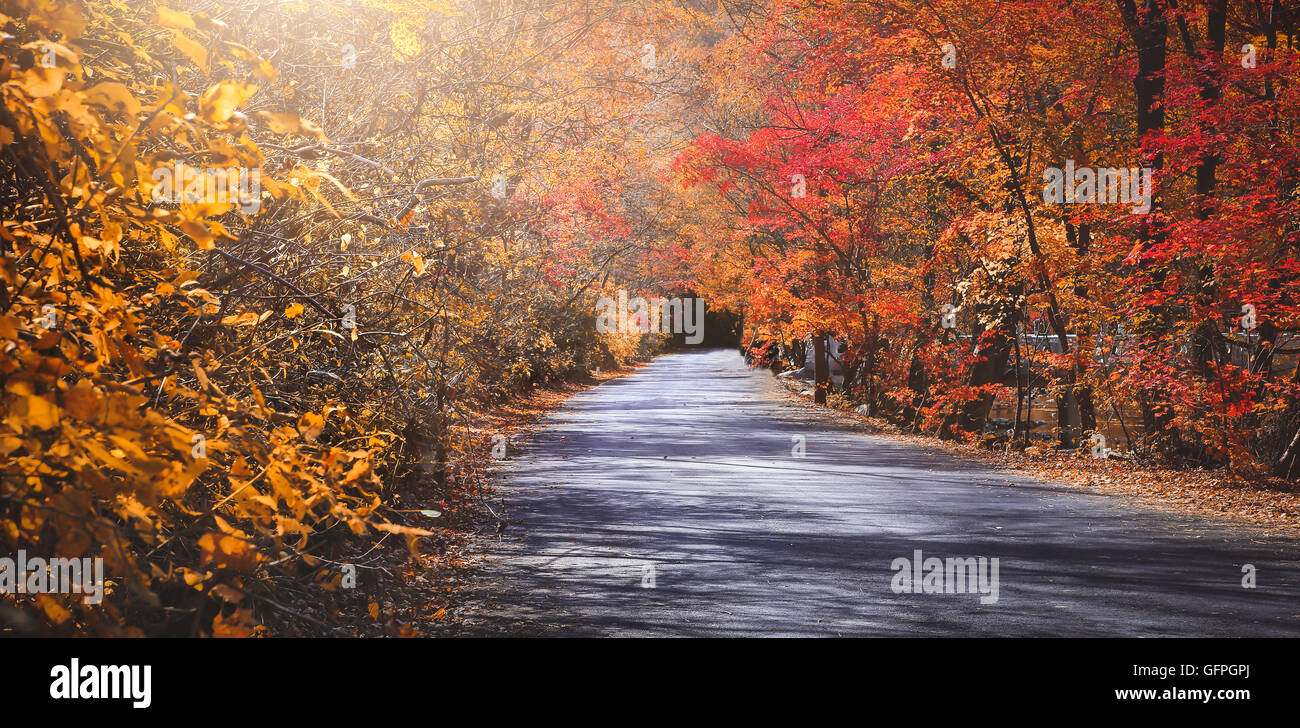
<point x="669" y="503"/>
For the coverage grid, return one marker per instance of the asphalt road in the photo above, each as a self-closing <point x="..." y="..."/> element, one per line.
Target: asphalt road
<point x="669" y="502"/>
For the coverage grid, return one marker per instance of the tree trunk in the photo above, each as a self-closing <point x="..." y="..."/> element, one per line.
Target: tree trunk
<point x="1149" y="29"/>
<point x="916" y="374"/>
<point x="821" y="369"/>
<point x="1206" y="343"/>
<point x="988" y="370"/>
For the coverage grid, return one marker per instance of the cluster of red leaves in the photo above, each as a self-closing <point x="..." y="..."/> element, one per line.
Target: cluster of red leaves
<point x="884" y="167"/>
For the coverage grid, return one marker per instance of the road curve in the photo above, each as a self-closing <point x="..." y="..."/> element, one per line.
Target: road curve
<point x="669" y="502"/>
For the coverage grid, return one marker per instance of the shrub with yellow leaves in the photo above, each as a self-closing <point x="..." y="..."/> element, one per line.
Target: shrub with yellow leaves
<point x="228" y="340"/>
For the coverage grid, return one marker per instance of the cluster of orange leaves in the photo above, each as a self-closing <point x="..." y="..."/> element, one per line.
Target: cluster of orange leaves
<point x="112" y="444"/>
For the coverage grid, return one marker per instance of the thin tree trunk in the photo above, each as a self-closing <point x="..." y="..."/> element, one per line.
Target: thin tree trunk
<point x="1020" y="393"/>
<point x="821" y="369"/>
